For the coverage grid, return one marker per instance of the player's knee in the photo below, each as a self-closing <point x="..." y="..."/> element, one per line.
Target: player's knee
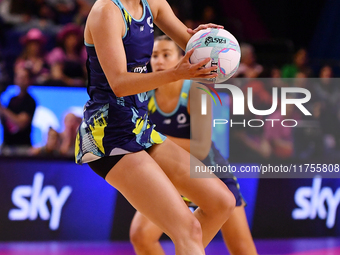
<point x="195" y="229"/>
<point x="139" y="237"/>
<point x="223" y="205"/>
<point x="229" y="203"/>
<point x="190" y="230"/>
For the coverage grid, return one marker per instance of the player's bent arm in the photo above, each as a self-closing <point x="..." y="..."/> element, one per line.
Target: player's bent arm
<point x="201" y="129"/>
<point x="105" y="29"/>
<point x="125" y="84"/>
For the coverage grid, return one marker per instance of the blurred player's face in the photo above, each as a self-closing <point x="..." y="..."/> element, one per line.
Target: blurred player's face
<point x="165" y="55"/>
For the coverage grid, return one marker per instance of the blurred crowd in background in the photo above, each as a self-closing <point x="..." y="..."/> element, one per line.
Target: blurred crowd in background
<point x="45" y="39"/>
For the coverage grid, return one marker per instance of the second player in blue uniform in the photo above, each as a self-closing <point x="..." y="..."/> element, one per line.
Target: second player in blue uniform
<point x="170" y="110"/>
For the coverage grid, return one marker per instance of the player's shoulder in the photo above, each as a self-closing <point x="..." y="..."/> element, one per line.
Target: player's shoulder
<point x="156" y="5"/>
<point x="104" y="7"/>
<point x="103" y="12"/>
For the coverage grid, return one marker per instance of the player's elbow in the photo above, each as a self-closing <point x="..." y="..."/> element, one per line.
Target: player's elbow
<point x="118" y="90"/>
<point x="202" y="152"/>
<point x="118" y="93"/>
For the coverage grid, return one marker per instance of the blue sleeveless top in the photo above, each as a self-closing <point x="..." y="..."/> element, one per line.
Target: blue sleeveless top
<point x="118" y="125"/>
<point x="177" y="123"/>
<point x="138" y="44"/>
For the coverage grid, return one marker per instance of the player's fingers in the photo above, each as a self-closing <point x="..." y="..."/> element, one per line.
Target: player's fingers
<point x="201" y="69"/>
<point x="203" y="26"/>
<point x="188" y="55"/>
<point x="194" y="31"/>
<point x="212" y="25"/>
<point x="207" y="76"/>
<point x="202" y="63"/>
<point x="208" y="69"/>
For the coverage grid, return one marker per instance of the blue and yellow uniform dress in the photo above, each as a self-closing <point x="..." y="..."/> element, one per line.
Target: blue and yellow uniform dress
<point x="118" y="125"/>
<point x="177" y="124"/>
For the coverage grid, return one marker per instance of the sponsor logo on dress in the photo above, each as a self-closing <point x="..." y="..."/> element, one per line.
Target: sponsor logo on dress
<point x="181" y="119"/>
<point x="150" y="23"/>
<point x="167" y="121"/>
<point x="140" y="69"/>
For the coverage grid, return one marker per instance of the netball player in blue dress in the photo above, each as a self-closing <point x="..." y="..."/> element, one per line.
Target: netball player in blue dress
<point x="170" y="111"/>
<point x="118" y="141"/>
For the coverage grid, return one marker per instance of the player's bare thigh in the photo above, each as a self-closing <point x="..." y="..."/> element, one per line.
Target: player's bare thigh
<point x="176" y="162"/>
<point x="142" y="182"/>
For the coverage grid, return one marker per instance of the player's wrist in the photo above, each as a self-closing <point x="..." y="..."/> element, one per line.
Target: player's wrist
<point x="172" y="75"/>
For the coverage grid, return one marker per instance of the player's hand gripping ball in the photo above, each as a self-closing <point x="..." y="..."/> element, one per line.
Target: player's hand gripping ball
<point x="223" y="49"/>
